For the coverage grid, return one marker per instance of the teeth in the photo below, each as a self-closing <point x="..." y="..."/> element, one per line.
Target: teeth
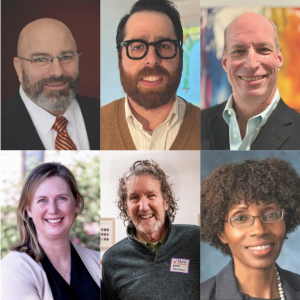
<point x="152" y="78"/>
<point x="147" y="216"/>
<point x="54" y="221"/>
<point x="260" y="247"/>
<point x="252" y="78"/>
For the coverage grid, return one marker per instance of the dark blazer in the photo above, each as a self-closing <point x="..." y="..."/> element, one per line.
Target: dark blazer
<point x="19" y="133"/>
<point x="224" y="286"/>
<point x="281" y="131"/>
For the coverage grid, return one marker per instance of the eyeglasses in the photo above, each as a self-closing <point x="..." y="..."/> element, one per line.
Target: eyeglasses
<point x="138" y="49"/>
<point x="44" y="61"/>
<point x="243" y="220"/>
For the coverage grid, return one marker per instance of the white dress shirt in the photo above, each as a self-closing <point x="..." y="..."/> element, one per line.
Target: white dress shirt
<point x="163" y="136"/>
<point x="43" y="122"/>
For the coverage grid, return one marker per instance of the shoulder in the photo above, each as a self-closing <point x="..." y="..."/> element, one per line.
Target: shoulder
<point x="111" y="108"/>
<point x="12" y="104"/>
<point x="15" y="258"/>
<point x="217" y="109"/>
<point x="114" y="251"/>
<point x="283" y="106"/>
<point x="291" y="278"/>
<point x="86" y="252"/>
<point x="208" y="289"/>
<point x="191" y="107"/>
<point x="83" y="100"/>
<point x="186" y="229"/>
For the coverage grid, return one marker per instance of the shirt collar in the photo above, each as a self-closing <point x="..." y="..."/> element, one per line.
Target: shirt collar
<point x="263" y="116"/>
<point x="42" y="119"/>
<point x="172" y="117"/>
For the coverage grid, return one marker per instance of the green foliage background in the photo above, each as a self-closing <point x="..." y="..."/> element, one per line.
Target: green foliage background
<point x="87" y="175"/>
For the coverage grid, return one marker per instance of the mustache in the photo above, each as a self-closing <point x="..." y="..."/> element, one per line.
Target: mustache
<point x="156" y="70"/>
<point x="56" y="79"/>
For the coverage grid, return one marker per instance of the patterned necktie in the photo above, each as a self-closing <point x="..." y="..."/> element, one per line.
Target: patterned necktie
<point x="63" y="140"/>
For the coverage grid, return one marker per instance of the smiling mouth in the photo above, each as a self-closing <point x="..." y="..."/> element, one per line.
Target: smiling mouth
<point x="53" y="221"/>
<point x="253" y="78"/>
<point x="56" y="84"/>
<point x="147" y="216"/>
<point x="260" y="247"/>
<point x="152" y="78"/>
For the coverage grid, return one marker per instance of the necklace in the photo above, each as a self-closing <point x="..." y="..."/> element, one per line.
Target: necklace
<point x="279" y="284"/>
<point x="63" y="275"/>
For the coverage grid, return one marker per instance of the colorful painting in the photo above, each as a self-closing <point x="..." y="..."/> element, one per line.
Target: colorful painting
<point x="215" y="87"/>
<point x="189" y="87"/>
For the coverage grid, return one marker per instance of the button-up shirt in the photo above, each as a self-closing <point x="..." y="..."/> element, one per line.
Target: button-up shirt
<point x="43" y="122"/>
<point x="254" y="124"/>
<point x="163" y="136"/>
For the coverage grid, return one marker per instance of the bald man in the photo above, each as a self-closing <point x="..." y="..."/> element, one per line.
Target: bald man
<point x="254" y="117"/>
<point x="47" y="112"/>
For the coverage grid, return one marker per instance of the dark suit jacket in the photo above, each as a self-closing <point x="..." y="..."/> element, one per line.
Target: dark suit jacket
<point x="19" y="133"/>
<point x="281" y="131"/>
<point x="224" y="286"/>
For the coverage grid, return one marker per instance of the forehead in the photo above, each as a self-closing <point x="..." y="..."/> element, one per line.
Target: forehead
<point x="252" y="205"/>
<point x="149" y="25"/>
<point x="48" y="39"/>
<point x="250" y="30"/>
<point x="52" y="183"/>
<point x="142" y="183"/>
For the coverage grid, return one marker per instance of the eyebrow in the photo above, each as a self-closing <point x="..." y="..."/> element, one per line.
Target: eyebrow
<point x="258" y="44"/>
<point x="158" y="38"/>
<point x="62" y="194"/>
<point x="45" y="53"/>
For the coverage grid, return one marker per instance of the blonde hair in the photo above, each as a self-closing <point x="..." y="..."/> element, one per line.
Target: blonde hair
<point x="28" y="242"/>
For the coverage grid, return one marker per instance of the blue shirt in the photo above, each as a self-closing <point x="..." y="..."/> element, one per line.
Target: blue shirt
<point x="254" y="124"/>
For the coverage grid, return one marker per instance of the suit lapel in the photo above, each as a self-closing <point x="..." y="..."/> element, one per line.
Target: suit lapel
<point x="19" y="126"/>
<point x="219" y="130"/>
<point x="274" y="134"/>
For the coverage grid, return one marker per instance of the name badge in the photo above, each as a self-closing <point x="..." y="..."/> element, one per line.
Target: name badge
<point x="180" y="265"/>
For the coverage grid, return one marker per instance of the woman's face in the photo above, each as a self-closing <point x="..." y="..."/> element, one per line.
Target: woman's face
<point x="258" y="245"/>
<point x="53" y="208"/>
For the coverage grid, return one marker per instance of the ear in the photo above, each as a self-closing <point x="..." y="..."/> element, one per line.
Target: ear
<point x="18" y="67"/>
<point x="28" y="209"/>
<point x="118" y="54"/>
<point x="224" y="61"/>
<point x="166" y="205"/>
<point x="222" y="237"/>
<point x="280" y="59"/>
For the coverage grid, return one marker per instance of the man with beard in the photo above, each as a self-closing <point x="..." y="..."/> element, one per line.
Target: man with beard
<point x="47" y="113"/>
<point x="155" y="251"/>
<point x="151" y="116"/>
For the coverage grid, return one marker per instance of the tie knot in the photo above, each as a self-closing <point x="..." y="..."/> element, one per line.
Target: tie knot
<point x="60" y="124"/>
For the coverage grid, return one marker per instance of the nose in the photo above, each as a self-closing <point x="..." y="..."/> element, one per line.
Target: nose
<point x="252" y="60"/>
<point x="56" y="68"/>
<point x="53" y="207"/>
<point x="144" y="204"/>
<point x="258" y="228"/>
<point x="152" y="59"/>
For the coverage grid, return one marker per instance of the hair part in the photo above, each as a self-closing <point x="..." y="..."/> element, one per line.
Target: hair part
<point x="141" y="168"/>
<point x="163" y="6"/>
<point x="28" y="241"/>
<point x="268" y="181"/>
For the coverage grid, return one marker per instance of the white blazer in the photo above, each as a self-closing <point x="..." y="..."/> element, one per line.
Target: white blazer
<point x="23" y="278"/>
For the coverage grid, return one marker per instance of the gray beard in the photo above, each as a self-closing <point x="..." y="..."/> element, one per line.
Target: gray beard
<point x="53" y="100"/>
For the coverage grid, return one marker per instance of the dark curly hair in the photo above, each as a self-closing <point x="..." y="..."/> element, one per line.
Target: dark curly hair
<point x="164" y="6"/>
<point x="270" y="180"/>
<point x="146" y="167"/>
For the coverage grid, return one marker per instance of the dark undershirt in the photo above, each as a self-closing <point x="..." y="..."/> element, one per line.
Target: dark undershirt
<point x="82" y="286"/>
<point x="247" y="297"/>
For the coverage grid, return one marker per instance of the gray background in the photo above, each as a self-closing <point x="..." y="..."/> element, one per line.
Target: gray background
<point x="212" y="260"/>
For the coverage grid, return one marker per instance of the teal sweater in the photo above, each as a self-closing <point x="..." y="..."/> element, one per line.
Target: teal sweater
<point x="131" y="271"/>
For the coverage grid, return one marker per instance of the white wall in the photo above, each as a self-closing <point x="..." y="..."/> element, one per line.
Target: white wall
<point x="111" y="12"/>
<point x="273" y="3"/>
<point x="183" y="167"/>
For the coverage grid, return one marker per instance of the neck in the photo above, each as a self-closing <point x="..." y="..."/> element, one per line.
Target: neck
<point x="258" y="283"/>
<point x="248" y="108"/>
<point x="58" y="251"/>
<point x="151" y="237"/>
<point x="151" y="118"/>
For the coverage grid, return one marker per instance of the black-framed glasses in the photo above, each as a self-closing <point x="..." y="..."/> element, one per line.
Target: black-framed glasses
<point x="244" y="220"/>
<point x="138" y="49"/>
<point x="44" y="61"/>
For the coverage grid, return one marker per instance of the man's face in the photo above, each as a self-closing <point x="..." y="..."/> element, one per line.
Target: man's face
<point x="251" y="60"/>
<point x="55" y="87"/>
<point x="151" y="81"/>
<point x="145" y="204"/>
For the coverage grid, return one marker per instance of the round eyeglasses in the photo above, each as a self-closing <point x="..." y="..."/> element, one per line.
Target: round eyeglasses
<point x="138" y="49"/>
<point x="44" y="61"/>
<point x="243" y="220"/>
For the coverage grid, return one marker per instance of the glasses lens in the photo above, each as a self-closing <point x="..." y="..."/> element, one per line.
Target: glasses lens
<point x="136" y="49"/>
<point x="272" y="216"/>
<point x="68" y="58"/>
<point x="241" y="220"/>
<point x="166" y="49"/>
<point x="41" y="61"/>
